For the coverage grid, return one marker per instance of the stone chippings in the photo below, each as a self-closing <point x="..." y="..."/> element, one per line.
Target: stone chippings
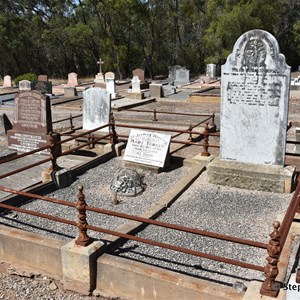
<point x="225" y="210"/>
<point x="96" y="183"/>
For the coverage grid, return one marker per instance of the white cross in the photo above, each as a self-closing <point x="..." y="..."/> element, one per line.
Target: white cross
<point x="100" y="63"/>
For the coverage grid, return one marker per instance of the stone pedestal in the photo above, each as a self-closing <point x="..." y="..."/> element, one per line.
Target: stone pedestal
<point x="79" y="266"/>
<point x="156" y="90"/>
<point x="99" y="78"/>
<point x="70" y="91"/>
<point x="136" y="96"/>
<point x="275" y="179"/>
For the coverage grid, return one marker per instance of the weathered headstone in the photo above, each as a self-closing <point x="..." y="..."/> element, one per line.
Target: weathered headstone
<point x="45" y="87"/>
<point x="182" y="76"/>
<point x="96" y="108"/>
<point x="211" y="70"/>
<point x="140" y="73"/>
<point x="172" y="75"/>
<point x="24" y="85"/>
<point x="72" y="79"/>
<point x="7" y="81"/>
<point x="69" y="91"/>
<point x="42" y="78"/>
<point x="110" y="84"/>
<point x="255" y="95"/>
<point x="254" y="111"/>
<point x="146" y="147"/>
<point x="156" y="90"/>
<point x="32" y="122"/>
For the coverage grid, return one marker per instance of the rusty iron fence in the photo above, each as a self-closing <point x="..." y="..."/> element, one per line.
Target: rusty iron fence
<point x="274" y="246"/>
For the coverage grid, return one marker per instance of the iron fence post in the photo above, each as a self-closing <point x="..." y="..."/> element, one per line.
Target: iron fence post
<point x="83" y="238"/>
<point x="190" y="129"/>
<point x="71" y="121"/>
<point x="154" y="115"/>
<point x="53" y="153"/>
<point x="206" y="140"/>
<point x="114" y="136"/>
<point x="269" y="286"/>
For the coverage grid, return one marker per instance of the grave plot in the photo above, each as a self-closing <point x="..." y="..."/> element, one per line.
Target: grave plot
<point x="224" y="210"/>
<point x="97" y="189"/>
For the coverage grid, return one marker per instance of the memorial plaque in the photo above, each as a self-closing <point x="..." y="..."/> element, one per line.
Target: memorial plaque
<point x="24" y="85"/>
<point x="32" y="112"/>
<point x="146" y="147"/>
<point x="45" y="87"/>
<point x="96" y="108"/>
<point x="255" y="94"/>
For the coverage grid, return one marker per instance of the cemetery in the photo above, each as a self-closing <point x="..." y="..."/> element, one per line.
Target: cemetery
<point x="187" y="187"/>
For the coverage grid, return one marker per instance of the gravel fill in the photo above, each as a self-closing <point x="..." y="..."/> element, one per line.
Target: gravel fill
<point x="96" y="183"/>
<point x="231" y="211"/>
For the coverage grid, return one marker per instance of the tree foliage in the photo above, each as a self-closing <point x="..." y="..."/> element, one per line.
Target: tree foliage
<point x="56" y="37"/>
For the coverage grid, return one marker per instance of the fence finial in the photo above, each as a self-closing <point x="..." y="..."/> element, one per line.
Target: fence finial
<point x="83" y="238"/>
<point x="269" y="286"/>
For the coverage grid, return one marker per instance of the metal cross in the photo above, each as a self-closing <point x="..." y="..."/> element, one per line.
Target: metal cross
<point x="100" y="63"/>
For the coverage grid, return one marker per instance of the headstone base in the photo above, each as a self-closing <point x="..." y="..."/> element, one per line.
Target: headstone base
<point x="156" y="90"/>
<point x="275" y="179"/>
<point x="134" y="165"/>
<point x="70" y="91"/>
<point x="99" y="78"/>
<point x="136" y="96"/>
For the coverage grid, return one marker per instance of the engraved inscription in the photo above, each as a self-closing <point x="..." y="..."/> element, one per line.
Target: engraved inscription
<point x="27" y="142"/>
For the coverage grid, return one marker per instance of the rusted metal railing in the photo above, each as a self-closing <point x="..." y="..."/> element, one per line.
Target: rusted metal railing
<point x="70" y="119"/>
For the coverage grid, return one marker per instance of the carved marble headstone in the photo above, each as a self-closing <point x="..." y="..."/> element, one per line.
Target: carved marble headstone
<point x="182" y="76"/>
<point x="255" y="94"/>
<point x="7" y="81"/>
<point x="140" y="73"/>
<point x="24" y="85"/>
<point x="32" y="121"/>
<point x="110" y="84"/>
<point x="96" y="108"/>
<point x="72" y="79"/>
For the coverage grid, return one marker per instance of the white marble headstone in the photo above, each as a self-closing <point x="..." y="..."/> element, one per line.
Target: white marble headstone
<point x="255" y="93"/>
<point x="110" y="84"/>
<point x="147" y="147"/>
<point x="24" y="85"/>
<point x="7" y="81"/>
<point x="136" y="87"/>
<point x="96" y="108"/>
<point x="211" y="70"/>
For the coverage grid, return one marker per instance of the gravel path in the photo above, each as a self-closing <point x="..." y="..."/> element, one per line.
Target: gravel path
<point x="231" y="211"/>
<point x="96" y="183"/>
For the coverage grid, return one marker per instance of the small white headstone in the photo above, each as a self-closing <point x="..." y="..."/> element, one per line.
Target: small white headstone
<point x="147" y="147"/>
<point x="24" y="85"/>
<point x="96" y="108"/>
<point x="7" y="81"/>
<point x="255" y="94"/>
<point x="136" y="87"/>
<point x="211" y="70"/>
<point x="110" y="84"/>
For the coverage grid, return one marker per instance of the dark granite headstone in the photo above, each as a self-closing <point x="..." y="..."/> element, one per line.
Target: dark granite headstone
<point x="32" y="122"/>
<point x="45" y="87"/>
<point x="4" y="124"/>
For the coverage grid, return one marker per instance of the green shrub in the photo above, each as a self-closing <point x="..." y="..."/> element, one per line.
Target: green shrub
<point x="27" y="76"/>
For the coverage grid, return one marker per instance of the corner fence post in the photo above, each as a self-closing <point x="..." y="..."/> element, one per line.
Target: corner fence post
<point x="83" y="238"/>
<point x="206" y="144"/>
<point x="114" y="136"/>
<point x="268" y="287"/>
<point x="213" y="125"/>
